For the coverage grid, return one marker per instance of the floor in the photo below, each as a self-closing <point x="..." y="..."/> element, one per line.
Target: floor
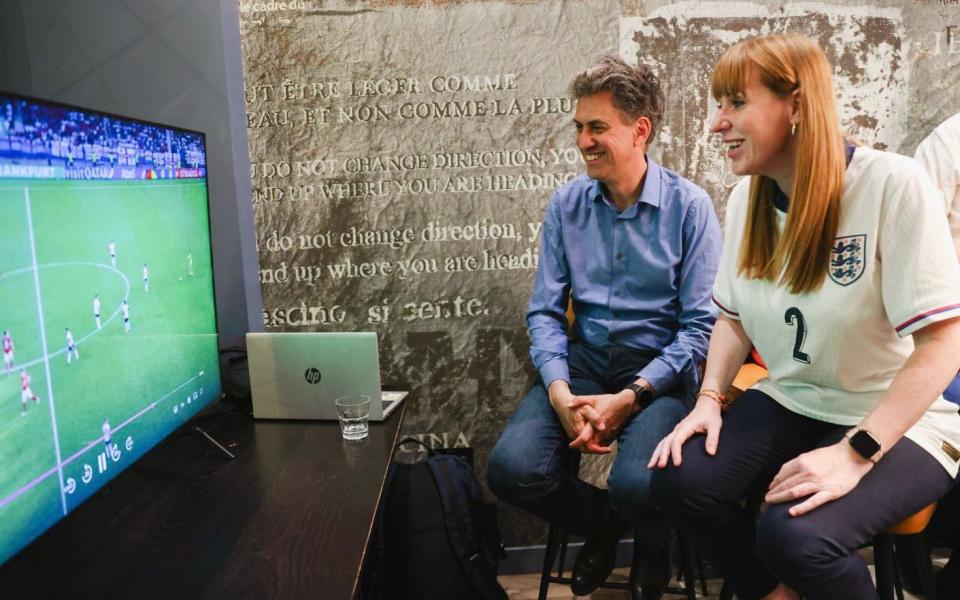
<point x="526" y="587"/>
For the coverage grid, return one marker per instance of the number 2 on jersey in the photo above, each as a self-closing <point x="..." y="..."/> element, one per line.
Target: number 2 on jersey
<point x="792" y="315"/>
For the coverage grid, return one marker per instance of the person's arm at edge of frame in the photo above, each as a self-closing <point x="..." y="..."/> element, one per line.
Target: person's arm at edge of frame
<point x="547" y="326"/>
<point x="942" y="166"/>
<point x="829" y="473"/>
<point x="729" y="346"/>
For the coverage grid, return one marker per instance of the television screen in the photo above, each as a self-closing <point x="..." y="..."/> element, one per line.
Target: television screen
<point x="107" y="319"/>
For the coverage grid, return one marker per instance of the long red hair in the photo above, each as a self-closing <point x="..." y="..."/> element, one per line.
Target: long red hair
<point x="799" y="257"/>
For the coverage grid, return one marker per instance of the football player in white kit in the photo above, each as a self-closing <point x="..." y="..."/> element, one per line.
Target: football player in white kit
<point x="105" y="430"/>
<point x="125" y="311"/>
<point x="146" y="279"/>
<point x="7" y="352"/>
<point x="112" y="247"/>
<point x="96" y="309"/>
<point x="190" y="264"/>
<point x="25" y="392"/>
<point x="839" y="267"/>
<point x="72" y="351"/>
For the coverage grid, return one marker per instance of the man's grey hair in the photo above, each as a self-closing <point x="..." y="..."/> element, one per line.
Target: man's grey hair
<point x="635" y="89"/>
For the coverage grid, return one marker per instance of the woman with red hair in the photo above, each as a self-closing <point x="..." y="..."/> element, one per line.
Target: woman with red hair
<point x="838" y="266"/>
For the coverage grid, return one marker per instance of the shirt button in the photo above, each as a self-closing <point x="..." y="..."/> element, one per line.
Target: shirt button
<point x="616" y="293"/>
<point x="619" y="255"/>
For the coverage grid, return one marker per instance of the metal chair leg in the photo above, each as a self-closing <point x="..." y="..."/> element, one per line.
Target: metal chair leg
<point x="561" y="564"/>
<point x="921" y="554"/>
<point x="549" y="555"/>
<point x="687" y="554"/>
<point x="556" y="542"/>
<point x="634" y="585"/>
<point x="703" y="572"/>
<point x="897" y="583"/>
<point x="726" y="592"/>
<point x="884" y="564"/>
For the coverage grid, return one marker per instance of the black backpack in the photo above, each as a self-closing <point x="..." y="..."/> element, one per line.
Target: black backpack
<point x="434" y="538"/>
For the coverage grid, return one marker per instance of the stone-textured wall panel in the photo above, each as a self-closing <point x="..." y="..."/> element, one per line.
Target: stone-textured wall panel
<point x="402" y="157"/>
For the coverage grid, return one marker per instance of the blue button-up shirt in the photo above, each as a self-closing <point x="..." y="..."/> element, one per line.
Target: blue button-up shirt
<point x="640" y="278"/>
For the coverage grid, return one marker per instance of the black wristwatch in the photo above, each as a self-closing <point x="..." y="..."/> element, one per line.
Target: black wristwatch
<point x="642" y="395"/>
<point x="865" y="444"/>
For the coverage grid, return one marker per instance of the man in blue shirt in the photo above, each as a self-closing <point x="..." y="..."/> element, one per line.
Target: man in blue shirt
<point x="634" y="248"/>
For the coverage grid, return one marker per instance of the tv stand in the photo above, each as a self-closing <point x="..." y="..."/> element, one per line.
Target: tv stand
<point x="197" y="430"/>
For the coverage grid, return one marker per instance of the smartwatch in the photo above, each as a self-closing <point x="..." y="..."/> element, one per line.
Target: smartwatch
<point x="642" y="395"/>
<point x="865" y="444"/>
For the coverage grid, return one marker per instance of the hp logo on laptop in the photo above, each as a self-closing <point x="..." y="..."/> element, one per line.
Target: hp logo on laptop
<point x="312" y="375"/>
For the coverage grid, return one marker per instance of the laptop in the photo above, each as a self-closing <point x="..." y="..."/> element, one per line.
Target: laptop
<point x="300" y="375"/>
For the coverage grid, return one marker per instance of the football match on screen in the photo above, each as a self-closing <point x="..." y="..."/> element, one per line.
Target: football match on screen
<point x="107" y="319"/>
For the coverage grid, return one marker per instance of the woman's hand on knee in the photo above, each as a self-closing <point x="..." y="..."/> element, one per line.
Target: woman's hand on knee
<point x="704" y="418"/>
<point x="821" y="475"/>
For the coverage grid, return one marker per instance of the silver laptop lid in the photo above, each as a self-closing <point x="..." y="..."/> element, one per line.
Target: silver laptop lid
<point x="299" y="375"/>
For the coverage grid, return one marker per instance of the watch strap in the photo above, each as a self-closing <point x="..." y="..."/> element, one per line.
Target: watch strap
<point x="642" y="395"/>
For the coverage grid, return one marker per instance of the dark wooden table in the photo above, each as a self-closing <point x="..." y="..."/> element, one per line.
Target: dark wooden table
<point x="290" y="517"/>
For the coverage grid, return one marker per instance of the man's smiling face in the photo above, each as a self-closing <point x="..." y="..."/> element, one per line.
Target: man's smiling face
<point x="610" y="147"/>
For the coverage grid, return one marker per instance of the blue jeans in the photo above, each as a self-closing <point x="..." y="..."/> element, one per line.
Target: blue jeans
<point x="530" y="465"/>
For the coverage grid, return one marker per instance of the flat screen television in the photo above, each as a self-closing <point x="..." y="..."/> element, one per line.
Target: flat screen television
<point x="107" y="318"/>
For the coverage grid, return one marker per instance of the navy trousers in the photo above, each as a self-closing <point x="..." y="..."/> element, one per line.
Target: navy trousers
<point x="815" y="554"/>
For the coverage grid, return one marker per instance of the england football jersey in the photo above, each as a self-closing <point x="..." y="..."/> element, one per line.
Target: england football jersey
<point x="832" y="353"/>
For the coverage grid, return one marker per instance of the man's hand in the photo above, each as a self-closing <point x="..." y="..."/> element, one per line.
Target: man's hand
<point x="614" y="410"/>
<point x="820" y="475"/>
<point x="577" y="421"/>
<point x="572" y="419"/>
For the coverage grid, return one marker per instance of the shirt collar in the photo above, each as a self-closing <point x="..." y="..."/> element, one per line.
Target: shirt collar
<point x="650" y="194"/>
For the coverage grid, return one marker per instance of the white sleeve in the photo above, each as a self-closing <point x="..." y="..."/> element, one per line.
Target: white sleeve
<point x="941" y="160"/>
<point x="732" y="237"/>
<point x="919" y="269"/>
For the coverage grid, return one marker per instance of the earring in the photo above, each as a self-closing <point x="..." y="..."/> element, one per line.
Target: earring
<point x="793" y="129"/>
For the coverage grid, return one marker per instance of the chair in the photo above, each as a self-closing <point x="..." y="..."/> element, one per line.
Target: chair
<point x="748" y="375"/>
<point x="557" y="541"/>
<point x="909" y="536"/>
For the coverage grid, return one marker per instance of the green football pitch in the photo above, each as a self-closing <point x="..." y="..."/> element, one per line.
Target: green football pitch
<point x="54" y="258"/>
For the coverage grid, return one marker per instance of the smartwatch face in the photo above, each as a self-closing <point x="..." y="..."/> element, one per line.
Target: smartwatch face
<point x="864" y="443"/>
<point x="642" y="395"/>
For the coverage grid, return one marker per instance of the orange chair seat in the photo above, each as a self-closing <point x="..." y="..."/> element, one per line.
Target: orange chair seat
<point x="748" y="375"/>
<point x="915" y="523"/>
